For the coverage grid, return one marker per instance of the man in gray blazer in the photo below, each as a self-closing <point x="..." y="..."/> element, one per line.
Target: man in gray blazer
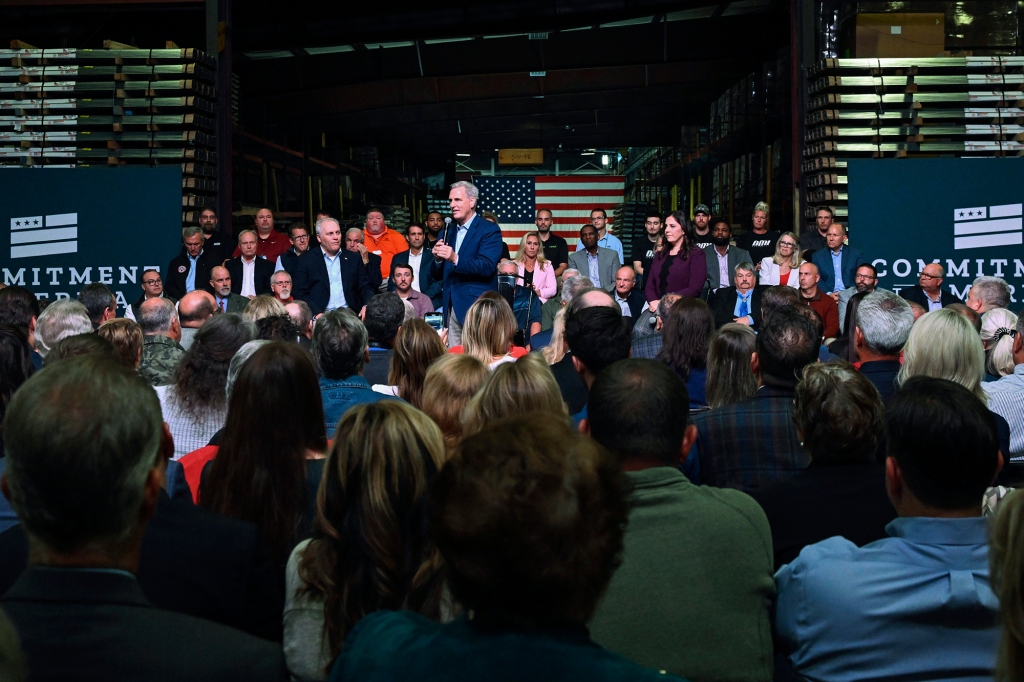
<point x="604" y="261"/>
<point x="721" y="256"/>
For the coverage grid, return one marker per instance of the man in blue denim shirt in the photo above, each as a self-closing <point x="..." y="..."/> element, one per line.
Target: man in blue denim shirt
<point x="341" y="348"/>
<point x="916" y="605"/>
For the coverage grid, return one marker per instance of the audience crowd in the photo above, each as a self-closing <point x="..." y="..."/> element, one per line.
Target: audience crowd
<point x="377" y="456"/>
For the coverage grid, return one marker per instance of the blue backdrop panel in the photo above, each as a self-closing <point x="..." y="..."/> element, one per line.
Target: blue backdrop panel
<point x="961" y="212"/>
<point x="69" y="227"/>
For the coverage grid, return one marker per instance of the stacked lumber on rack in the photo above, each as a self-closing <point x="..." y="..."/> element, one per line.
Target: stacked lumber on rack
<point x="902" y="108"/>
<point x="69" y="108"/>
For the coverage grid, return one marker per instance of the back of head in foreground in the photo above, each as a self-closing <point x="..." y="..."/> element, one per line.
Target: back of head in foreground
<point x="259" y="473"/>
<point x="370" y="549"/>
<point x="943" y="449"/>
<point x="944" y="344"/>
<point x="838" y="414"/>
<point x="60" y="319"/>
<point x="788" y="342"/>
<point x="524" y="386"/>
<point x="639" y="410"/>
<point x="1006" y="560"/>
<point x="529" y="518"/>
<point x="416" y="346"/>
<point x="597" y="337"/>
<point x="450" y="383"/>
<point x="84" y="467"/>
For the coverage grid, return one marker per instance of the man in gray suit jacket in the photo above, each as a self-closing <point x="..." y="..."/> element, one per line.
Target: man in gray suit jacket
<point x="723" y="258"/>
<point x="606" y="261"/>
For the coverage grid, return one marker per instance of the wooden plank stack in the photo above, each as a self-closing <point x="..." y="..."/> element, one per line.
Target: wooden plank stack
<point x="69" y="108"/>
<point x="902" y="108"/>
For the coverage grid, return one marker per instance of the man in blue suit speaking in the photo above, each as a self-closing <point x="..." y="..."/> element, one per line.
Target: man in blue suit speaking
<point x="465" y="258"/>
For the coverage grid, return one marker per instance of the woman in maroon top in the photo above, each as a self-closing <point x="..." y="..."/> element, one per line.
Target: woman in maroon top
<point x="678" y="267"/>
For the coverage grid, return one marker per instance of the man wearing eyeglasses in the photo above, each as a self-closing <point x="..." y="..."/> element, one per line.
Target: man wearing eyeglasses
<point x="289" y="260"/>
<point x="928" y="291"/>
<point x="152" y="287"/>
<point x="865" y="281"/>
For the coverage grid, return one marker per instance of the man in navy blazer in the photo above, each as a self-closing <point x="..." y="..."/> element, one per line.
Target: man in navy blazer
<point x="847" y="257"/>
<point x="313" y="280"/>
<point x="466" y="258"/>
<point x="423" y="282"/>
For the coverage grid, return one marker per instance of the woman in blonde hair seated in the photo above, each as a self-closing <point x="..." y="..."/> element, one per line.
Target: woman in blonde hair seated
<point x="450" y="384"/>
<point x="488" y="332"/>
<point x="537" y="271"/>
<point x="263" y="306"/>
<point x="997" y="327"/>
<point x="784" y="266"/>
<point x="370" y="549"/>
<point x="525" y="385"/>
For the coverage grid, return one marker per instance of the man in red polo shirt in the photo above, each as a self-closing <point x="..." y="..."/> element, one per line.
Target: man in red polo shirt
<point x="269" y="242"/>
<point x="824" y="304"/>
<point x="382" y="240"/>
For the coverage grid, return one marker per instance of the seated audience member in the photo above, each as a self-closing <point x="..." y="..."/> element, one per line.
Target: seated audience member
<point x="553" y="305"/>
<point x="944" y="345"/>
<point x="85" y="495"/>
<point x="775" y="297"/>
<point x="450" y="384"/>
<point x="917" y="309"/>
<point x="597" y="338"/>
<point x="161" y="351"/>
<point x="554" y="349"/>
<point x="988" y="293"/>
<point x="488" y="332"/>
<point x="729" y="377"/>
<point x="648" y="345"/>
<point x="384" y="317"/>
<point x="687" y="335"/>
<point x="528" y="554"/>
<point x="194" y="309"/>
<point x="523" y="300"/>
<point x="422" y="283"/>
<point x="839" y="419"/>
<point x="401" y="279"/>
<point x="193" y="463"/>
<point x="99" y="300"/>
<point x="194" y="406"/>
<point x="843" y="347"/>
<point x="302" y="316"/>
<point x="752" y="443"/>
<point x="740" y="303"/>
<point x="340" y="348"/>
<point x="865" y="281"/>
<point x="928" y="291"/>
<point x="997" y="332"/>
<point x="370" y="551"/>
<point x="79" y="344"/>
<point x="524" y="386"/>
<point x="630" y="299"/>
<point x="224" y="298"/>
<point x="782" y="269"/>
<point x="250" y="273"/>
<point x="883" y="324"/>
<point x="59" y="319"/>
<point x="127" y="338"/>
<point x="263" y="306"/>
<point x="671" y="606"/>
<point x="373" y="262"/>
<point x="152" y="287"/>
<point x="417" y="345"/>
<point x="837" y="264"/>
<point x="316" y="268"/>
<point x="972" y="316"/>
<point x="277" y="328"/>
<point x="15" y="368"/>
<point x="916" y="605"/>
<point x="821" y="302"/>
<point x="1007" y="576"/>
<point x="300" y="238"/>
<point x="537" y="271"/>
<point x="265" y="474"/>
<point x="1006" y="396"/>
<point x="574" y="391"/>
<point x="20" y="307"/>
<point x="281" y="285"/>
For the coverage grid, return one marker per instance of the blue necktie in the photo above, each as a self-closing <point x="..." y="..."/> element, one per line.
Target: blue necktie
<point x="744" y="310"/>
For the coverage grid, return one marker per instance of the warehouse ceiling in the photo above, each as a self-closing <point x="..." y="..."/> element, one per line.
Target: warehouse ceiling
<point x="449" y="78"/>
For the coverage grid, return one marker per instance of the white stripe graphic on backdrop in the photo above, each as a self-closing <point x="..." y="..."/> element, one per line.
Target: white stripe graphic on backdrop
<point x="44" y="235"/>
<point x="981" y="227"/>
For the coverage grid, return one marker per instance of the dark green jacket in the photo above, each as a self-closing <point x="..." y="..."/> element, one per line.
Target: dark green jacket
<point x="160" y="357"/>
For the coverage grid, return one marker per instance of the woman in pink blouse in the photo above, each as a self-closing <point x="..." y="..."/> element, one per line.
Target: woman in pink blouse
<point x="536" y="270"/>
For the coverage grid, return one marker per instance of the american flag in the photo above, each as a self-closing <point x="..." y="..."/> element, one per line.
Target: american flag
<point x="570" y="198"/>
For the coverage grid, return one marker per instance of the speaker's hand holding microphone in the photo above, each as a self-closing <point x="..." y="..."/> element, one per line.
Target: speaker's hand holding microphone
<point x="442" y="251"/>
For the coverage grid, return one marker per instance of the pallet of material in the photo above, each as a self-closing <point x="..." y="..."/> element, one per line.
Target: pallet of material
<point x="46" y="56"/>
<point x="117" y="106"/>
<point x="120" y="89"/>
<point x="839" y="99"/>
<point x="196" y="201"/>
<point x="864" y="64"/>
<point x="199" y="169"/>
<point x="828" y="132"/>
<point x="148" y="153"/>
<point x="968" y="113"/>
<point x="198" y="184"/>
<point x="826" y="180"/>
<point x="878" y="149"/>
<point x="114" y="122"/>
<point x="87" y="137"/>
<point x="886" y="82"/>
<point x="111" y="72"/>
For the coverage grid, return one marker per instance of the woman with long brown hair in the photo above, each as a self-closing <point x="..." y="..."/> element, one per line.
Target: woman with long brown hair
<point x="416" y="345"/>
<point x="687" y="337"/>
<point x="678" y="266"/>
<point x="370" y="550"/>
<point x="271" y="451"/>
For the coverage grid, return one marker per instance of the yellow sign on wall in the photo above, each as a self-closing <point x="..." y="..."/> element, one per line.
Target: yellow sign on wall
<point x="520" y="157"/>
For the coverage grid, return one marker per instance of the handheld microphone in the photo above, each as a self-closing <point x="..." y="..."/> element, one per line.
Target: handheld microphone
<point x="447" y="223"/>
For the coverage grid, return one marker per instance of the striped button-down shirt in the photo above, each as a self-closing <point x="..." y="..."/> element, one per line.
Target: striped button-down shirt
<point x="1006" y="398"/>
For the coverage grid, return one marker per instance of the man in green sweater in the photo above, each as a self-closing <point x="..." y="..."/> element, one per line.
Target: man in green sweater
<point x="692" y="596"/>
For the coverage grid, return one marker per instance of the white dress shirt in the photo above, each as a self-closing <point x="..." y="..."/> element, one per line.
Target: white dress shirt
<point x="414" y="263"/>
<point x="248" y="277"/>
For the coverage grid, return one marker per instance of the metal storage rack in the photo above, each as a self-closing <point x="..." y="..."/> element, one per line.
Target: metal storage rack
<point x="67" y="108"/>
<point x="895" y="108"/>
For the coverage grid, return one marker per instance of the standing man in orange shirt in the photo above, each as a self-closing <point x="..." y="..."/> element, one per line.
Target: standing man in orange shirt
<point x="382" y="240"/>
<point x="269" y="242"/>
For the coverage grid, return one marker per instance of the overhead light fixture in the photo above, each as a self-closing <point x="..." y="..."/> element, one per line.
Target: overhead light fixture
<point x="538" y="74"/>
<point x="461" y="154"/>
<point x="586" y="153"/>
<point x="604" y="160"/>
<point x="329" y="50"/>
